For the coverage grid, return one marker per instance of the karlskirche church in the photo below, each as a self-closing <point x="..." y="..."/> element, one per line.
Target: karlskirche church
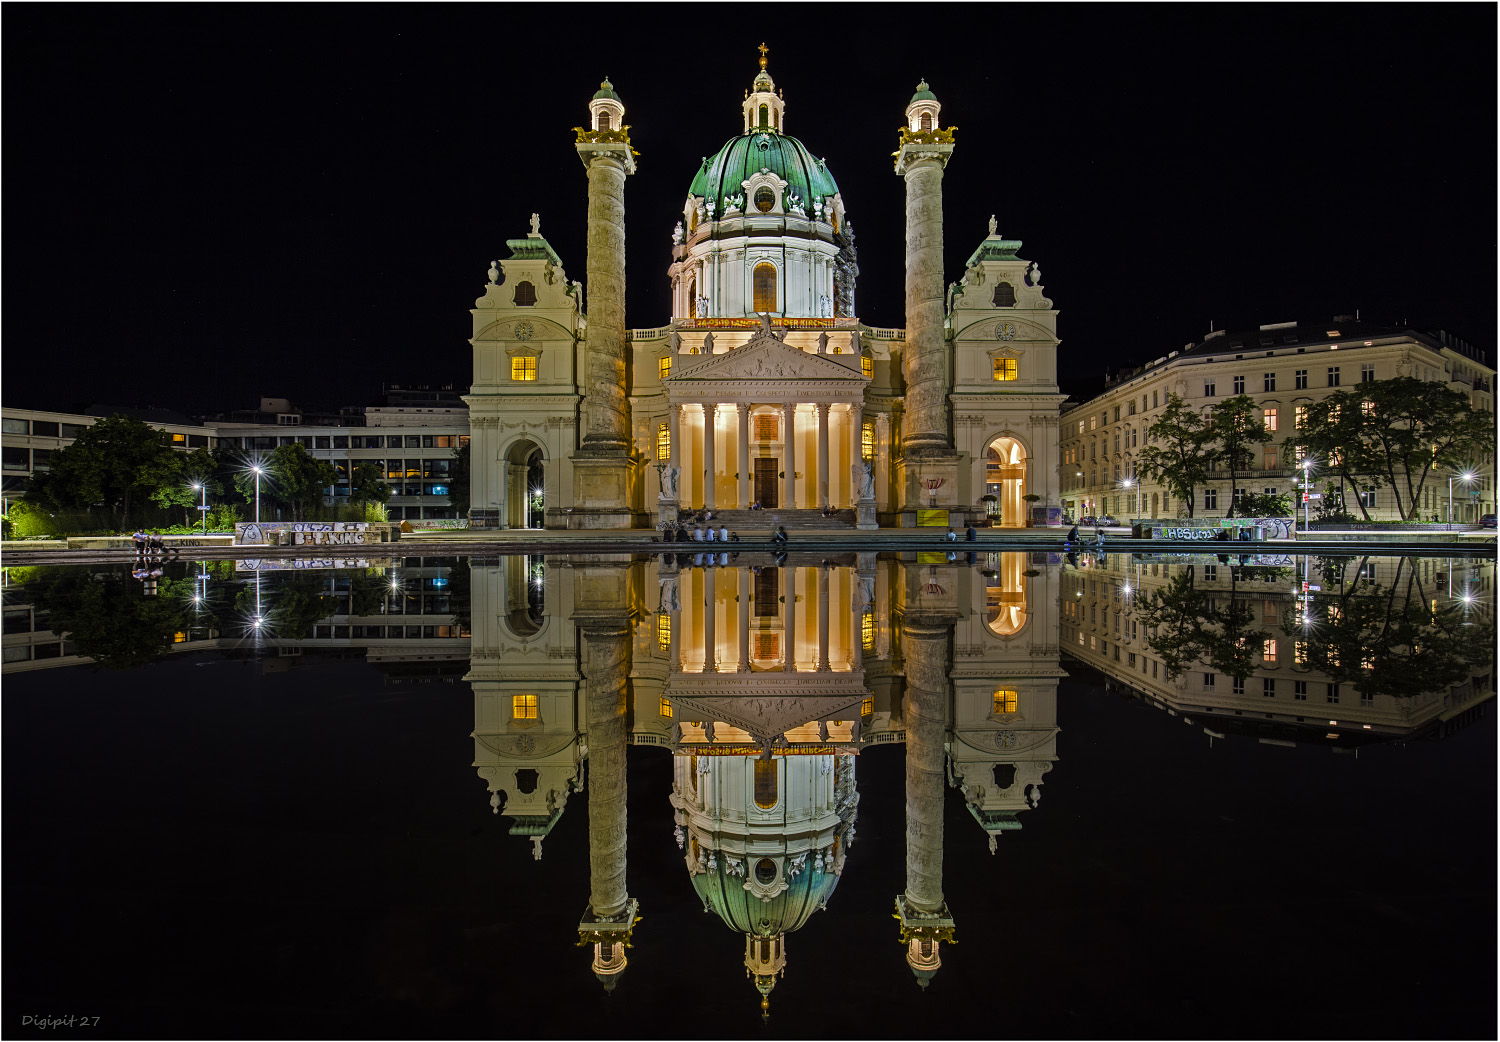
<point x="763" y="390"/>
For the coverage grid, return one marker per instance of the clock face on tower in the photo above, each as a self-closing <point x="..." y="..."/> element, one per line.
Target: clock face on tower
<point x="1005" y="331"/>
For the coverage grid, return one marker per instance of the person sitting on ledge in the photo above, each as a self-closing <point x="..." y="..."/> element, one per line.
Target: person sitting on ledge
<point x="952" y="536"/>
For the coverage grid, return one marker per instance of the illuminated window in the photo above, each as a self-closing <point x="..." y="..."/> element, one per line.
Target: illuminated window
<point x="1299" y="652"/>
<point x="1269" y="418"/>
<point x="666" y="708"/>
<point x="664" y="366"/>
<point x="1300" y="420"/>
<point x="664" y="631"/>
<point x="765" y="287"/>
<point x="867" y="707"/>
<point x="765" y="200"/>
<point x="522" y="368"/>
<point x="1005" y="369"/>
<point x="867" y="366"/>
<point x="1005" y="701"/>
<point x="1271" y="458"/>
<point x="765" y="784"/>
<point x="867" y="441"/>
<point x="179" y="637"/>
<point x="523" y="707"/>
<point x="525" y="295"/>
<point x="663" y="442"/>
<point x="867" y="632"/>
<point x="765" y="116"/>
<point x="1367" y="408"/>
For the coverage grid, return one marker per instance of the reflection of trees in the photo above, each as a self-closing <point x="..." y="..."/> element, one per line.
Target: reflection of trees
<point x="109" y="618"/>
<point x="1392" y="639"/>
<point x="293" y="603"/>
<point x="1186" y="625"/>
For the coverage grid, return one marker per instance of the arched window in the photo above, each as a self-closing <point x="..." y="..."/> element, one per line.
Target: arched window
<point x="927" y="121"/>
<point x="765" y="116"/>
<point x="692" y="298"/>
<point x="1005" y="295"/>
<point x="765" y="287"/>
<point x="765" y="199"/>
<point x="765" y="784"/>
<point x="525" y="295"/>
<point x="867" y="365"/>
<point x="604" y="121"/>
<point x="867" y="441"/>
<point x="664" y="636"/>
<point x="663" y="443"/>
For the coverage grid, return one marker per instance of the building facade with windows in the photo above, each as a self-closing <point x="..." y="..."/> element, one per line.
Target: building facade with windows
<point x="1286" y="367"/>
<point x="763" y="388"/>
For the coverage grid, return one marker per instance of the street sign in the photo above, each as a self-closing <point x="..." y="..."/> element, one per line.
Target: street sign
<point x="1315" y="495"/>
<point x="200" y="507"/>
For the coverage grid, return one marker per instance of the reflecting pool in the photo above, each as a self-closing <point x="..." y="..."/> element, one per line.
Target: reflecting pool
<point x="558" y="795"/>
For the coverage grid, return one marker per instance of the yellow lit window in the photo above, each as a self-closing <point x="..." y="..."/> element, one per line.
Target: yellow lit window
<point x="664" y="631"/>
<point x="666" y="708"/>
<point x="1368" y="408"/>
<point x="765" y="287"/>
<point x="1270" y="419"/>
<point x="523" y="707"/>
<point x="1271" y="457"/>
<point x="867" y="441"/>
<point x="1301" y="417"/>
<point x="867" y="632"/>
<point x="1268" y="653"/>
<point x="663" y="442"/>
<point x="1299" y="652"/>
<point x="867" y="707"/>
<point x="179" y="439"/>
<point x="1005" y="369"/>
<point x="179" y="637"/>
<point x="1005" y="701"/>
<point x="522" y="368"/>
<point x="664" y="366"/>
<point x="867" y="366"/>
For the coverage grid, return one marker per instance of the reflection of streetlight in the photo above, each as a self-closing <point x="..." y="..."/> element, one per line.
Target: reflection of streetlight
<point x="1467" y="477"/>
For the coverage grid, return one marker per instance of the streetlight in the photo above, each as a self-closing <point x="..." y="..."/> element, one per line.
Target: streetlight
<point x="203" y="509"/>
<point x="1306" y="494"/>
<point x="1129" y="483"/>
<point x="257" y="468"/>
<point x="1467" y="477"/>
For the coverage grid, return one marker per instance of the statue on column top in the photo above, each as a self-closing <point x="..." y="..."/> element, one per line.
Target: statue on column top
<point x="536" y="226"/>
<point x="993" y="226"/>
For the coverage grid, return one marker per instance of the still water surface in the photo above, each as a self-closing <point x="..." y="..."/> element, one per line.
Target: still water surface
<point x="1181" y="796"/>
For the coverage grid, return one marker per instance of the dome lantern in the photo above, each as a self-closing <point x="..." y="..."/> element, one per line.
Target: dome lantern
<point x="922" y="111"/>
<point x="763" y="108"/>
<point x="606" y="110"/>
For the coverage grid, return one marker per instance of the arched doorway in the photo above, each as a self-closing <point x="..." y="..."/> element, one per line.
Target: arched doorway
<point x="525" y="485"/>
<point x="1005" y="595"/>
<point x="1005" y="481"/>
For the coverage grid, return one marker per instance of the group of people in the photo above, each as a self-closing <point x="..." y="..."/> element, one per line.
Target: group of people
<point x="682" y="533"/>
<point x="971" y="535"/>
<point x="148" y="545"/>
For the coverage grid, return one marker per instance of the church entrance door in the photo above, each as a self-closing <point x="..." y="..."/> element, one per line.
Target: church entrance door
<point x="765" y="482"/>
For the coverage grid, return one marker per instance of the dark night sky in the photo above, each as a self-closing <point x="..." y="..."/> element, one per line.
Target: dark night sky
<point x="302" y="201"/>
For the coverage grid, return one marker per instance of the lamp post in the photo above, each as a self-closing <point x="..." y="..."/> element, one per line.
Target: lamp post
<point x="1466" y="477"/>
<point x="257" y="470"/>
<point x="1306" y="495"/>
<point x="203" y="507"/>
<point x="1129" y="483"/>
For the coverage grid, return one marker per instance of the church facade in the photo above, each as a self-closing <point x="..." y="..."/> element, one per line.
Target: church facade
<point x="763" y="390"/>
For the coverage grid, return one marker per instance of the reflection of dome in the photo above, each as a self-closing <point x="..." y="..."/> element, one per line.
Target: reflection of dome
<point x="723" y="174"/>
<point x="744" y="912"/>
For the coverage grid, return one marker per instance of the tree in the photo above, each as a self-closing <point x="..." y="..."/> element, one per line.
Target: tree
<point x="1234" y="429"/>
<point x="1174" y="450"/>
<point x="296" y="478"/>
<point x="108" y="617"/>
<point x="197" y="467"/>
<point x="1260" y="504"/>
<point x="1186" y="625"/>
<point x="367" y="484"/>
<point x="458" y="480"/>
<point x="1397" y="433"/>
<point x="115" y="463"/>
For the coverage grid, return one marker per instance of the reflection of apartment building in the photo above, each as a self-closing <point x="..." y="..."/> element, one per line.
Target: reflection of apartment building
<point x="1286" y="367"/>
<point x="411" y="436"/>
<point x="413" y="633"/>
<point x="1282" y="698"/>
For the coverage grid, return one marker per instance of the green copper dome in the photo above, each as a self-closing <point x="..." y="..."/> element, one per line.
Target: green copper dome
<point x="923" y="94"/>
<point x="723" y="174"/>
<point x="606" y="90"/>
<point x="744" y="912"/>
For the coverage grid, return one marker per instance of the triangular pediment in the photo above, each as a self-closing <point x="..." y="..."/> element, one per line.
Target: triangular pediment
<point x="763" y="358"/>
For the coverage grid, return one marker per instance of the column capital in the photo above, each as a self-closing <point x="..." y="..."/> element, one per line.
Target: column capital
<point x="823" y="408"/>
<point x="743" y="408"/>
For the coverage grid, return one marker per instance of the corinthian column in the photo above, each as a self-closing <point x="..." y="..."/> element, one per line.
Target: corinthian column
<point x="923" y="155"/>
<point x="924" y="915"/>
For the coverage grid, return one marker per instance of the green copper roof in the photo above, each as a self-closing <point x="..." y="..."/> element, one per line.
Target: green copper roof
<point x="532" y="249"/>
<point x="922" y="94"/>
<point x="606" y="90"/>
<point x="994" y="249"/>
<point x="743" y="912"/>
<point x="723" y="173"/>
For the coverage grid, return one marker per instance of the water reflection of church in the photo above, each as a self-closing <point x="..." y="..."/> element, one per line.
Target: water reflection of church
<point x="764" y="681"/>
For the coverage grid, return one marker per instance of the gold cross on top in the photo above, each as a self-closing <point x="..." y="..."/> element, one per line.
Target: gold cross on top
<point x="763" y="49"/>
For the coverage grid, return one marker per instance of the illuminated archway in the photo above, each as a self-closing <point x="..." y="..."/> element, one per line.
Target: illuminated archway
<point x="525" y="479"/>
<point x="1005" y="596"/>
<point x="1005" y="480"/>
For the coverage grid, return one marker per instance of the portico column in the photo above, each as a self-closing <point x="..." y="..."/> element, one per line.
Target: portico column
<point x="742" y="498"/>
<point x="789" y="456"/>
<point x="823" y="617"/>
<point x="708" y="454"/>
<point x="789" y="601"/>
<point x="674" y="424"/>
<point x="823" y="455"/>
<point x="710" y="649"/>
<point x="744" y="665"/>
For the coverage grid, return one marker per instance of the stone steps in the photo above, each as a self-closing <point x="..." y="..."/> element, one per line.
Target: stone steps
<point x="791" y="520"/>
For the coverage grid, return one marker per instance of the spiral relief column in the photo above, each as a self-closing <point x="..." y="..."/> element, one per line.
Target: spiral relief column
<point x="929" y="469"/>
<point x="601" y="468"/>
<point x="925" y="920"/>
<point x="611" y="914"/>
